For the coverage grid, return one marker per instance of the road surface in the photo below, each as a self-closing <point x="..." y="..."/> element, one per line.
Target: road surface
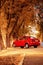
<point x="19" y="56"/>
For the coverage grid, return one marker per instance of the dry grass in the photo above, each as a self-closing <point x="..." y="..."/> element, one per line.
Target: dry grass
<point x="10" y="60"/>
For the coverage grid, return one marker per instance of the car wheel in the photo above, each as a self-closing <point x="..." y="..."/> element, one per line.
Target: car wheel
<point x="26" y="45"/>
<point x="22" y="47"/>
<point x="35" y="46"/>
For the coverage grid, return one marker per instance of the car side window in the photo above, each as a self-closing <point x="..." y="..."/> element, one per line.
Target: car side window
<point x="33" y="40"/>
<point x="20" y="39"/>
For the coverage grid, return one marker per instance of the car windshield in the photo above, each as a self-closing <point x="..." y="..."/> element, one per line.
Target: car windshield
<point x="24" y="37"/>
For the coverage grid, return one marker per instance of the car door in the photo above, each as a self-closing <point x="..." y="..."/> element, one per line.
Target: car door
<point x="31" y="41"/>
<point x="20" y="42"/>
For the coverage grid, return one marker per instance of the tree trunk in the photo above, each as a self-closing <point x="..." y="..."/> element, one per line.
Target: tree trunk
<point x="1" y="42"/>
<point x="42" y="36"/>
<point x="7" y="40"/>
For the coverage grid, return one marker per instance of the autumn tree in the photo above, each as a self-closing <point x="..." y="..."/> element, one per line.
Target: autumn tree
<point x="16" y="15"/>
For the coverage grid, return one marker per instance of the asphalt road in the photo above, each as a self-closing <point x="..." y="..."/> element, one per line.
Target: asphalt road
<point x="30" y="56"/>
<point x="33" y="60"/>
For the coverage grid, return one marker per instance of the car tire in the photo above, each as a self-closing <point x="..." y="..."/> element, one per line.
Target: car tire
<point x="22" y="47"/>
<point x="35" y="46"/>
<point x="26" y="45"/>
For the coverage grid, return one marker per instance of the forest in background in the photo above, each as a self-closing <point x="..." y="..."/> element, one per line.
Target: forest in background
<point x="15" y="18"/>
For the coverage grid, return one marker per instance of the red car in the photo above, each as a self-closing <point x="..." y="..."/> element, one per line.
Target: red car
<point x="26" y="41"/>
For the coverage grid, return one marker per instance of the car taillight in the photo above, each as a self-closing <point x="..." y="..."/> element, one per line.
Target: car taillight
<point x="36" y="40"/>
